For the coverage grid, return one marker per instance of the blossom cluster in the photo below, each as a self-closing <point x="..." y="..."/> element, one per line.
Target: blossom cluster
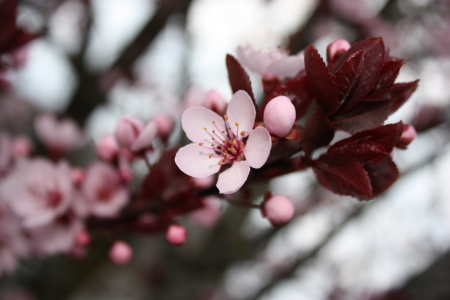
<point x="49" y="205"/>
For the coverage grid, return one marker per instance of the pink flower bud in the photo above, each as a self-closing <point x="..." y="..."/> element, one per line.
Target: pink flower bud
<point x="165" y="125"/>
<point x="176" y="234"/>
<point x="279" y="116"/>
<point x="214" y="101"/>
<point x="409" y="134"/>
<point x="278" y="209"/>
<point x="127" y="131"/>
<point x="77" y="175"/>
<point x="83" y="238"/>
<point x="21" y="147"/>
<point x="336" y="48"/>
<point x="120" y="253"/>
<point x="107" y="148"/>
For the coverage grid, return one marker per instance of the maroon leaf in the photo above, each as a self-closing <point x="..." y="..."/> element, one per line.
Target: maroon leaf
<point x="365" y="115"/>
<point x="366" y="45"/>
<point x="370" y="146"/>
<point x="348" y="75"/>
<point x="344" y="175"/>
<point x="382" y="175"/>
<point x="316" y="132"/>
<point x="396" y="94"/>
<point x="7" y="20"/>
<point x="20" y="38"/>
<point x="238" y="78"/>
<point x="298" y="89"/>
<point x="321" y="81"/>
<point x="389" y="73"/>
<point x="372" y="64"/>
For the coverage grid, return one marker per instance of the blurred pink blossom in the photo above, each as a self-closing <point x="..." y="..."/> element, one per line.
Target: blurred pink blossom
<point x="277" y="63"/>
<point x="38" y="191"/>
<point x="59" y="136"/>
<point x="103" y="192"/>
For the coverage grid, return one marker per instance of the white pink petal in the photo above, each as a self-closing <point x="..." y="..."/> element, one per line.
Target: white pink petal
<point x="231" y="180"/>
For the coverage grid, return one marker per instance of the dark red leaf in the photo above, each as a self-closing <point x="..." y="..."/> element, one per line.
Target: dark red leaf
<point x="389" y="73"/>
<point x="382" y="175"/>
<point x="348" y="75"/>
<point x="373" y="60"/>
<point x="321" y="81"/>
<point x="316" y="132"/>
<point x="19" y="39"/>
<point x="397" y="94"/>
<point x="344" y="175"/>
<point x="365" y="45"/>
<point x="7" y="20"/>
<point x="370" y="146"/>
<point x="238" y="78"/>
<point x="365" y="115"/>
<point x="298" y="89"/>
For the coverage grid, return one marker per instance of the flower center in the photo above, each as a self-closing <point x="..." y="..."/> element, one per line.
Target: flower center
<point x="47" y="192"/>
<point x="228" y="144"/>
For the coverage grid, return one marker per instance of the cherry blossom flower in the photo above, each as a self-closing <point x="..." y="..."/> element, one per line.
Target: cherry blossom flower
<point x="277" y="63"/>
<point x="59" y="136"/>
<point x="103" y="193"/>
<point x="219" y="141"/>
<point x="38" y="191"/>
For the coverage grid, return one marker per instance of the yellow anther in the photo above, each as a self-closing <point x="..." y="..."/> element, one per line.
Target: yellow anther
<point x="214" y="122"/>
<point x="234" y="142"/>
<point x="200" y="144"/>
<point x="204" y="128"/>
<point x="221" y="163"/>
<point x="236" y="123"/>
<point x="243" y="133"/>
<point x="225" y="117"/>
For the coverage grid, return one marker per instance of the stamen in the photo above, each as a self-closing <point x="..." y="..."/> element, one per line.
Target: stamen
<point x="211" y="155"/>
<point x="225" y="117"/>
<point x="200" y="144"/>
<point x="243" y="133"/>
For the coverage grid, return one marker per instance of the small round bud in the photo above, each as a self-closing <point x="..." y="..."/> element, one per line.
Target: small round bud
<point x="21" y="146"/>
<point x="409" y="134"/>
<point x="278" y="209"/>
<point x="279" y="116"/>
<point x="336" y="49"/>
<point x="83" y="238"/>
<point x="165" y="125"/>
<point x="176" y="234"/>
<point x="215" y="101"/>
<point x="107" y="148"/>
<point x="127" y="131"/>
<point x="120" y="253"/>
<point x="77" y="175"/>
